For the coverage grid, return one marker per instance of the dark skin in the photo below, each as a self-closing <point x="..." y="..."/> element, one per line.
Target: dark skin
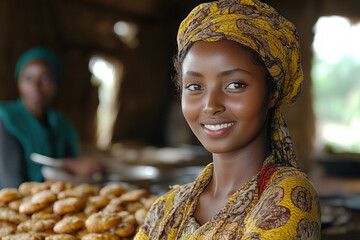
<point x="226" y="102"/>
<point x="37" y="88"/>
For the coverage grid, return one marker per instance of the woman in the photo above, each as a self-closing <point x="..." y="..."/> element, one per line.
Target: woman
<point x="237" y="62"/>
<point x="29" y="125"/>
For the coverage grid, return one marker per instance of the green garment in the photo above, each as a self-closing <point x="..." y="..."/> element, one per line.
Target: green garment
<point x="58" y="140"/>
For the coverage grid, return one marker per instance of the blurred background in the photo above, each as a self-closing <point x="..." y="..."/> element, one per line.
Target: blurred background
<point x="119" y="94"/>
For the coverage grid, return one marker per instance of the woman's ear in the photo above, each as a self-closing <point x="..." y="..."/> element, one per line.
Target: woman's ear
<point x="274" y="96"/>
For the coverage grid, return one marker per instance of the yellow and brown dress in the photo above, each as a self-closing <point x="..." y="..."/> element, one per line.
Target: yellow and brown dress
<point x="278" y="203"/>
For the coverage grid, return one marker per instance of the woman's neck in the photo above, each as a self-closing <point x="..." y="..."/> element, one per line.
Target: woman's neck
<point x="233" y="170"/>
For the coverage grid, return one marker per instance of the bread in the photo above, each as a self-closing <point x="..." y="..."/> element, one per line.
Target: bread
<point x="59" y="210"/>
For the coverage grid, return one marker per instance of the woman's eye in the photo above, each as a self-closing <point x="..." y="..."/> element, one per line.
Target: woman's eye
<point x="236" y="85"/>
<point x="193" y="87"/>
<point x="27" y="78"/>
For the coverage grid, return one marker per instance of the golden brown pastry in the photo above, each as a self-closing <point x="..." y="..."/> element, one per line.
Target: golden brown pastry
<point x="6" y="228"/>
<point x="61" y="237"/>
<point x="46" y="196"/>
<point x="100" y="236"/>
<point x="9" y="194"/>
<point x="130" y="219"/>
<point x="102" y="221"/>
<point x="41" y="186"/>
<point x="68" y="205"/>
<point x="60" y="186"/>
<point x="31" y="207"/>
<point x="113" y="208"/>
<point x="79" y="234"/>
<point x="134" y="195"/>
<point x="83" y="191"/>
<point x="69" y="224"/>
<point x="15" y="204"/>
<point x="148" y="202"/>
<point x="45" y="216"/>
<point x="125" y="230"/>
<point x="25" y="188"/>
<point x="10" y="215"/>
<point x="98" y="201"/>
<point x="35" y="225"/>
<point x="131" y="207"/>
<point x="112" y="190"/>
<point x="140" y="215"/>
<point x="23" y="236"/>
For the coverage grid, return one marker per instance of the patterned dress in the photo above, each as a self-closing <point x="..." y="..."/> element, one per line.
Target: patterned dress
<point x="278" y="203"/>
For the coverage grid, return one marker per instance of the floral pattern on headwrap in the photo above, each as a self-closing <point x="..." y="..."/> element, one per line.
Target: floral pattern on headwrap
<point x="258" y="26"/>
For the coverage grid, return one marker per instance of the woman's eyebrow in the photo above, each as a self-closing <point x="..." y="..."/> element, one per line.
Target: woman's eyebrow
<point x="231" y="71"/>
<point x="192" y="73"/>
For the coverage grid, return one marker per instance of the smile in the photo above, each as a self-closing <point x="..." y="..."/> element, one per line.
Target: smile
<point x="219" y="126"/>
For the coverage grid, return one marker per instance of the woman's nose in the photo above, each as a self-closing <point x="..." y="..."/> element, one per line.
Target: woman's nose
<point x="214" y="103"/>
<point x="36" y="84"/>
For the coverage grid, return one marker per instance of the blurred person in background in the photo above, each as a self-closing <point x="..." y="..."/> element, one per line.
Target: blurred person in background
<point x="29" y="125"/>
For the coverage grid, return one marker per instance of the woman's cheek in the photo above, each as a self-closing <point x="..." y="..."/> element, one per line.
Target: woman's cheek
<point x="190" y="109"/>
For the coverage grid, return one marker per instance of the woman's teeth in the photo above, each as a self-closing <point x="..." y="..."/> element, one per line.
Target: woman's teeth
<point x="219" y="126"/>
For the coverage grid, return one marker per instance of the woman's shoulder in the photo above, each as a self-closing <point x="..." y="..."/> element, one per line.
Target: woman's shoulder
<point x="271" y="175"/>
<point x="288" y="207"/>
<point x="8" y="107"/>
<point x="292" y="182"/>
<point x="290" y="177"/>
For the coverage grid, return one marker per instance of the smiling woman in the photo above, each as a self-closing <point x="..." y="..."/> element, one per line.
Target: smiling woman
<point x="238" y="61"/>
<point x="224" y="94"/>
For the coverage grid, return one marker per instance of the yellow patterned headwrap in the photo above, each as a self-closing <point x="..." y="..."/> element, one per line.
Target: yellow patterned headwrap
<point x="260" y="27"/>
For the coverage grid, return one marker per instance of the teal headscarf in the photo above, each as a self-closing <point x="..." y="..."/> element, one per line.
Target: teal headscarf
<point x="44" y="54"/>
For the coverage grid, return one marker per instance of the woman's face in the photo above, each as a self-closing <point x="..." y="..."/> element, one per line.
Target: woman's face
<point x="37" y="86"/>
<point x="224" y="97"/>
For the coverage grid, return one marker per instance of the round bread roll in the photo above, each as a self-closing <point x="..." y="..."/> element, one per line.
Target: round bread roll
<point x="41" y="186"/>
<point x="140" y="215"/>
<point x="113" y="208"/>
<point x="10" y="215"/>
<point x="46" y="196"/>
<point x="45" y="216"/>
<point x="132" y="207"/>
<point x="83" y="190"/>
<point x="125" y="230"/>
<point x="102" y="221"/>
<point x="9" y="194"/>
<point x="6" y="228"/>
<point x="79" y="234"/>
<point x="61" y="237"/>
<point x="31" y="207"/>
<point x="98" y="201"/>
<point x="25" y="188"/>
<point x="60" y="186"/>
<point x="130" y="219"/>
<point x="23" y="236"/>
<point x="35" y="225"/>
<point x="15" y="204"/>
<point x="69" y="224"/>
<point x="148" y="202"/>
<point x="68" y="205"/>
<point x="100" y="236"/>
<point x="112" y="190"/>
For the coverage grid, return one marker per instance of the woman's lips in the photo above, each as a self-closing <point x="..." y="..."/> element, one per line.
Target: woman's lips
<point x="216" y="130"/>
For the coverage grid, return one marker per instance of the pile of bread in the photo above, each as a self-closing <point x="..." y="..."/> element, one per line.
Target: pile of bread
<point x="59" y="210"/>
